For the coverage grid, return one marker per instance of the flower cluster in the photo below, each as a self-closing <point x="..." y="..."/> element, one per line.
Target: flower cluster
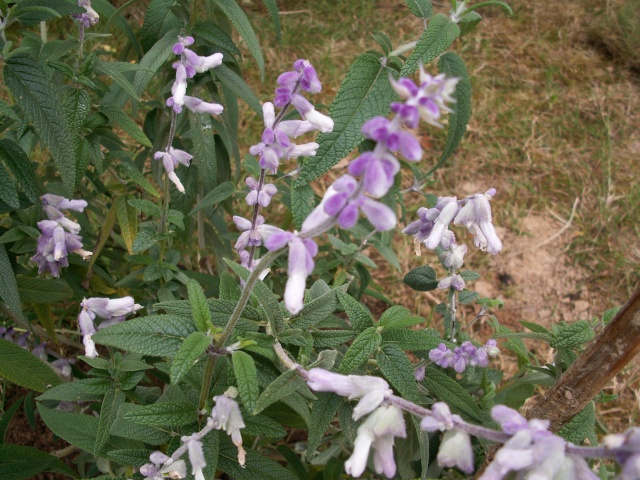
<point x="112" y="311"/>
<point x="629" y="459"/>
<point x="533" y="451"/>
<point x="90" y="17"/>
<point x="378" y="431"/>
<point x="59" y="235"/>
<point x="226" y="416"/>
<point x="473" y="212"/>
<point x="189" y="64"/>
<point x="347" y="197"/>
<point x="465" y="355"/>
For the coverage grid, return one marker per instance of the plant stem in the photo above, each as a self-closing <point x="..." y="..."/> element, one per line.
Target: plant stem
<point x="165" y="188"/>
<point x="403" y="49"/>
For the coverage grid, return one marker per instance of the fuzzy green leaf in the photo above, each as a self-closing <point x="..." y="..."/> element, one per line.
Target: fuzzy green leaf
<point x="214" y="197"/>
<point x="360" y="350"/>
<point x="86" y="390"/>
<point x="397" y="369"/>
<point x="117" y="115"/>
<point x="438" y="36"/>
<point x="573" y="336"/>
<point x="453" y="394"/>
<point x="257" y="466"/>
<point x="23" y="368"/>
<point x="8" y="285"/>
<point x="158" y="335"/>
<point x="143" y="433"/>
<point x="214" y="35"/>
<point x="316" y="310"/>
<point x="108" y="413"/>
<point x="581" y="426"/>
<point x="302" y="203"/>
<point x="453" y="66"/>
<point x="244" y="369"/>
<point x="154" y="59"/>
<point x="40" y="290"/>
<point x="31" y="85"/>
<point x="157" y="20"/>
<point x="128" y="169"/>
<point x="398" y="317"/>
<point x="128" y="220"/>
<point x="20" y="462"/>
<point x="199" y="306"/>
<point x="322" y="413"/>
<point x="364" y="93"/>
<point x="421" y="279"/>
<point x="162" y="414"/>
<point x="8" y="193"/>
<point x="76" y="428"/>
<point x="204" y="153"/>
<point x="414" y="340"/>
<point x="235" y="14"/>
<point x="18" y="162"/>
<point x="283" y="386"/>
<point x="420" y="8"/>
<point x="358" y="315"/>
<point x="187" y="355"/>
<point x="237" y="85"/>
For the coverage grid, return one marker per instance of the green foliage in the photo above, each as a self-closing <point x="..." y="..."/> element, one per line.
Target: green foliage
<point x="438" y="36"/>
<point x="422" y="279"/>
<point x="21" y="367"/>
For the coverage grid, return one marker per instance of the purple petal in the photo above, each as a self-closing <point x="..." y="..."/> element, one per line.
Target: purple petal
<point x="380" y="216"/>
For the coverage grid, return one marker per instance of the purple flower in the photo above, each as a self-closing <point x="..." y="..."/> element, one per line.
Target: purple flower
<point x="454" y="281"/>
<point x="301" y="253"/>
<point x="226" y="416"/>
<point x="171" y="159"/>
<point x="196" y="455"/>
<point x="183" y="42"/>
<point x="276" y="143"/>
<point x="90" y="17"/>
<point x="371" y="390"/>
<point x="255" y="237"/>
<point x="379" y="169"/>
<point x="426" y="101"/>
<point x="322" y="122"/>
<point x="392" y="137"/>
<point x="303" y="76"/>
<point x="377" y="431"/>
<point x="262" y="197"/>
<point x="453" y="257"/>
<point x="196" y="105"/>
<point x="476" y="216"/>
<point x="446" y="209"/>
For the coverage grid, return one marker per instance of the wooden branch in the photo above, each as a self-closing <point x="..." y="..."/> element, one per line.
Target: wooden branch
<point x="616" y="346"/>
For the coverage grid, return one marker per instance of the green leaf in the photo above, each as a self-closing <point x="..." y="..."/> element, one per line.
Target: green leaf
<point x="128" y="169"/>
<point x="30" y="84"/>
<point x="187" y="356"/>
<point x="7" y="415"/>
<point x="199" y="306"/>
<point x="322" y="413"/>
<point x="155" y="58"/>
<point x="358" y="315"/>
<point x="204" y="153"/>
<point x="364" y="93"/>
<point x="244" y="369"/>
<point x="398" y="317"/>
<point x="128" y="220"/>
<point x="422" y="279"/>
<point x="214" y="35"/>
<point x="414" y="340"/>
<point x="8" y="285"/>
<point x="157" y="335"/>
<point x="214" y="197"/>
<point x="331" y="338"/>
<point x="233" y="11"/>
<point x="534" y="327"/>
<point x="453" y="66"/>
<point x="360" y="350"/>
<point x="257" y="466"/>
<point x="18" y="162"/>
<point x="162" y="414"/>
<point x="86" y="390"/>
<point x="23" y="368"/>
<point x="397" y="369"/>
<point x="453" y="394"/>
<point x="466" y="297"/>
<point x="157" y="19"/>
<point x="610" y="314"/>
<point x="108" y="413"/>
<point x="469" y="22"/>
<point x="8" y="192"/>
<point x="237" y="85"/>
<point x="315" y="311"/>
<point x="127" y="429"/>
<point x="302" y="203"/>
<point x="105" y="232"/>
<point x="147" y="207"/>
<point x="147" y="238"/>
<point x="137" y="457"/>
<point x="117" y="115"/>
<point x="40" y="290"/>
<point x="439" y="35"/>
<point x="581" y="426"/>
<point x="272" y="8"/>
<point x="77" y="429"/>
<point x="18" y="462"/>
<point x="31" y="12"/>
<point x="420" y="8"/>
<point x="260" y="425"/>
<point x="573" y="336"/>
<point x="115" y="71"/>
<point x="283" y="386"/>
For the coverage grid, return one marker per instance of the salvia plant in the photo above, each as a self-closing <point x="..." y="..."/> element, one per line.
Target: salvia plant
<point x="187" y="307"/>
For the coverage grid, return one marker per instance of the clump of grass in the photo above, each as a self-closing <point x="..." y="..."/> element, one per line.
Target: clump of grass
<point x="619" y="32"/>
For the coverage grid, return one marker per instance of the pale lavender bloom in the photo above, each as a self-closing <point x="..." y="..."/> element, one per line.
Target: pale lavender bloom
<point x="531" y="449"/>
<point x="301" y="253"/>
<point x="276" y="144"/>
<point x="322" y="122"/>
<point x="196" y="455"/>
<point x="253" y="237"/>
<point x="426" y="101"/>
<point x="171" y="158"/>
<point x="377" y="431"/>
<point x="54" y="244"/>
<point x="440" y="418"/>
<point x="371" y="390"/>
<point x="456" y="451"/>
<point x="447" y="208"/>
<point x="392" y="137"/>
<point x="90" y="17"/>
<point x="58" y="202"/>
<point x="183" y="42"/>
<point x="304" y="76"/>
<point x="179" y="88"/>
<point x="441" y="356"/>
<point x="454" y="281"/>
<point x="419" y="373"/>
<point x="628" y="455"/>
<point x="198" y="63"/>
<point x="111" y="310"/>
<point x="62" y="366"/>
<point x="226" y="416"/>
<point x="262" y="198"/>
<point x="196" y="105"/>
<point x="453" y="258"/>
<point x="244" y="261"/>
<point x="476" y="216"/>
<point x="344" y="206"/>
